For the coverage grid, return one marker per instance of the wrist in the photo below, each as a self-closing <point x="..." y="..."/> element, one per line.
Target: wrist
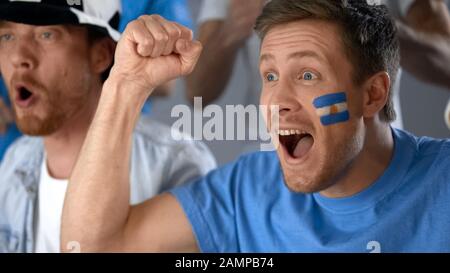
<point x="126" y="88"/>
<point x="120" y="98"/>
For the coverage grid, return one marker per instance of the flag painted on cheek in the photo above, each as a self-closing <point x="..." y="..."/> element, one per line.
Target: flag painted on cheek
<point x="332" y="108"/>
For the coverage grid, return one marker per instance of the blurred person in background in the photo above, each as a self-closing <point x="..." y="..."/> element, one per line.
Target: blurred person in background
<point x="55" y="65"/>
<point x="424" y="34"/>
<point x="174" y="10"/>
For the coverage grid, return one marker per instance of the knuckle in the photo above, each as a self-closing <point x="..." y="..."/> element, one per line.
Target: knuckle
<point x="174" y="32"/>
<point x="161" y="37"/>
<point x="147" y="42"/>
<point x="144" y="17"/>
<point x="133" y="25"/>
<point x="157" y="17"/>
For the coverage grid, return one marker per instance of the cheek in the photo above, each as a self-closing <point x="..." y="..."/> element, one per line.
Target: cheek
<point x="356" y="104"/>
<point x="5" y="72"/>
<point x="265" y="98"/>
<point x="76" y="74"/>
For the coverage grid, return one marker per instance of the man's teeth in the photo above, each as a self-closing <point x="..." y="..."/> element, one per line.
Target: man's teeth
<point x="291" y="132"/>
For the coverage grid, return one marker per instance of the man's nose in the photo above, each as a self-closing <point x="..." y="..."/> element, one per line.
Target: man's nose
<point x="22" y="56"/>
<point x="286" y="99"/>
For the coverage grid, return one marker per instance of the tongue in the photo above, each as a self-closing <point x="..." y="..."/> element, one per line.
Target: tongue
<point x="303" y="146"/>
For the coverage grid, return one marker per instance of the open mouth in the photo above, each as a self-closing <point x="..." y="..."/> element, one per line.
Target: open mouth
<point x="296" y="142"/>
<point x="24" y="96"/>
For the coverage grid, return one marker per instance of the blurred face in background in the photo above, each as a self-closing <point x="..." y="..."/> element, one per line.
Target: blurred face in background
<point x="48" y="72"/>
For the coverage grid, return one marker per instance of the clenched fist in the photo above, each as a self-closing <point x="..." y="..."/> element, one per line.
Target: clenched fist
<point x="153" y="51"/>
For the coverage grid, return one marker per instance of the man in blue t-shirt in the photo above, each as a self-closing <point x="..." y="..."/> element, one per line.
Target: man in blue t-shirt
<point x="341" y="180"/>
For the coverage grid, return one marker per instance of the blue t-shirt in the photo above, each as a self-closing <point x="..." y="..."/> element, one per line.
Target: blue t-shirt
<point x="12" y="132"/>
<point x="173" y="10"/>
<point x="246" y="207"/>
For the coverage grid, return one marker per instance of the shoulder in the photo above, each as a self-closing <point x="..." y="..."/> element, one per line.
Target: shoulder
<point x="24" y="154"/>
<point x="261" y="167"/>
<point x="23" y="148"/>
<point x="162" y="144"/>
<point x="152" y="132"/>
<point x="428" y="151"/>
<point x="427" y="146"/>
<point x="261" y="160"/>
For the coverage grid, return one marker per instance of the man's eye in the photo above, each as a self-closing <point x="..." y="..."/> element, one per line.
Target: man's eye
<point x="6" y="37"/>
<point x="46" y="35"/>
<point x="271" y="77"/>
<point x="309" y="76"/>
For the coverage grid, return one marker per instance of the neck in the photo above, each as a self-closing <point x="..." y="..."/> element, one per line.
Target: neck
<point x="368" y="166"/>
<point x="62" y="147"/>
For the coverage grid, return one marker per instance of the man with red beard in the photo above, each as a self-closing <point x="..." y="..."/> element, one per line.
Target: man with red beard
<point x="342" y="180"/>
<point x="54" y="58"/>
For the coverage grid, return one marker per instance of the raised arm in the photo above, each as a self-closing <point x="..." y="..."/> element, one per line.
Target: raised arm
<point x="221" y="39"/>
<point x="97" y="215"/>
<point x="425" y="41"/>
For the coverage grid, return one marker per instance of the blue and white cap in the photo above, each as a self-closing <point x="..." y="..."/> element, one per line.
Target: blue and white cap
<point x="104" y="15"/>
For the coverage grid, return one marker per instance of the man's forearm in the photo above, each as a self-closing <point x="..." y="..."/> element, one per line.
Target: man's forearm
<point x="425" y="56"/>
<point x="425" y="41"/>
<point x="214" y="68"/>
<point x="97" y="214"/>
<point x="97" y="203"/>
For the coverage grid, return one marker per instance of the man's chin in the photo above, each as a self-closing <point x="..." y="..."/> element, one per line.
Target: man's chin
<point x="306" y="184"/>
<point x="34" y="126"/>
<point x="298" y="186"/>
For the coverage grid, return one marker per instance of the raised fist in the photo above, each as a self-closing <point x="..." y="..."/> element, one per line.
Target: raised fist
<point x="153" y="51"/>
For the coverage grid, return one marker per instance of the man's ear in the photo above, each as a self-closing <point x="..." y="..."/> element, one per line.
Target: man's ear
<point x="102" y="54"/>
<point x="376" y="94"/>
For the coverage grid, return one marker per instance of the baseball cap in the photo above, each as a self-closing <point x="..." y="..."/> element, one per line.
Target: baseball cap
<point x="103" y="15"/>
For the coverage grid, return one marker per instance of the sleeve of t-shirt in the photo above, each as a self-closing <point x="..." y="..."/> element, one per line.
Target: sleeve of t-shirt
<point x="213" y="10"/>
<point x="209" y="205"/>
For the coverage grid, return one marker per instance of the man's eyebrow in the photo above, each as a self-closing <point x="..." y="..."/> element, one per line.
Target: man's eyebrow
<point x="295" y="55"/>
<point x="304" y="54"/>
<point x="266" y="57"/>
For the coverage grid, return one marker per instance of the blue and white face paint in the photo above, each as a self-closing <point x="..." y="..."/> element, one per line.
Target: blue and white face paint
<point x="332" y="108"/>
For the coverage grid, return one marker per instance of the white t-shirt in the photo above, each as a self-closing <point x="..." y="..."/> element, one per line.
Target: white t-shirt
<point x="245" y="84"/>
<point x="49" y="211"/>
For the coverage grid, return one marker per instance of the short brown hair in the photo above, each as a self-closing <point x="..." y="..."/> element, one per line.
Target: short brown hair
<point x="369" y="34"/>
